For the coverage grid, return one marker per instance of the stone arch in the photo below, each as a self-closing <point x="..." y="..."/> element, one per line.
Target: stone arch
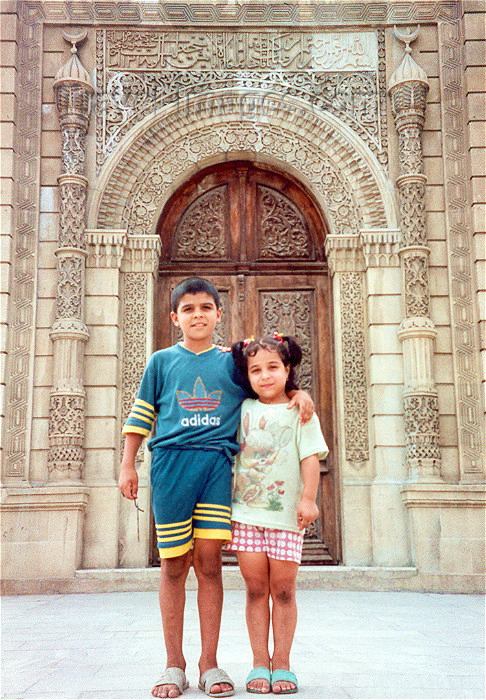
<point x="323" y="152"/>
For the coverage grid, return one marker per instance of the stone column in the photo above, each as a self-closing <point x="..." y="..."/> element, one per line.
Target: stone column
<point x="408" y="91"/>
<point x="73" y="90"/>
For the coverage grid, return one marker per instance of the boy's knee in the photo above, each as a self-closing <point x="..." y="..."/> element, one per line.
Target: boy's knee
<point x="175" y="569"/>
<point x="208" y="565"/>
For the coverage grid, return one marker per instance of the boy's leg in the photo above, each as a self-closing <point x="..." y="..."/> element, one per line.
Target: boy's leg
<point x="255" y="570"/>
<point x="172" y="597"/>
<point x="212" y="526"/>
<point x="207" y="567"/>
<point x="172" y="501"/>
<point x="283" y="575"/>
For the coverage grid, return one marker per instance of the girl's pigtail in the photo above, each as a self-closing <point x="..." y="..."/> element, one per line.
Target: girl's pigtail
<point x="294" y="350"/>
<point x="238" y="356"/>
<point x="237" y="350"/>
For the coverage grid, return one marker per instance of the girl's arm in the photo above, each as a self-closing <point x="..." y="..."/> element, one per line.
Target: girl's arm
<point x="308" y="511"/>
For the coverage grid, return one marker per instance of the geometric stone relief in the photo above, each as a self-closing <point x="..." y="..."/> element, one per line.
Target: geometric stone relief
<point x="141" y="207"/>
<point x="465" y="342"/>
<point x="291" y="313"/>
<point x="421" y="418"/>
<point x="70" y="292"/>
<point x="415" y="267"/>
<point x="355" y="383"/>
<point x="141" y="72"/>
<point x="21" y="316"/>
<point x="134" y="353"/>
<point x="71" y="221"/>
<point x="251" y="13"/>
<point x="283" y="229"/>
<point x="411" y="197"/>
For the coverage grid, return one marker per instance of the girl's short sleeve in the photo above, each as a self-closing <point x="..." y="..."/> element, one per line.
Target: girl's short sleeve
<point x="310" y="440"/>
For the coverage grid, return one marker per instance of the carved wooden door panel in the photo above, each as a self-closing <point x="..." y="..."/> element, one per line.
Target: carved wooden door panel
<point x="257" y="235"/>
<point x="298" y="305"/>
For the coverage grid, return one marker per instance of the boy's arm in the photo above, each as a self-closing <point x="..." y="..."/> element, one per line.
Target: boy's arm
<point x="128" y="481"/>
<point x="301" y="399"/>
<point x="308" y="511"/>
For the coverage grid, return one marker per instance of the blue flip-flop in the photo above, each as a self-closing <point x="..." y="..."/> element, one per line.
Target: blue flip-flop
<point x="259" y="672"/>
<point x="282" y="675"/>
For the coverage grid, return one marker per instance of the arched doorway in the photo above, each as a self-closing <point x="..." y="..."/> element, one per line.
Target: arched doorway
<point x="258" y="236"/>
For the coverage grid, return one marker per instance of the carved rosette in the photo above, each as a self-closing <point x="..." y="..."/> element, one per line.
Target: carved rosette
<point x="408" y="93"/>
<point x="73" y="92"/>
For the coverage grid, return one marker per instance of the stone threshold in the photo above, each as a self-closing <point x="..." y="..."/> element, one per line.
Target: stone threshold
<point x="325" y="578"/>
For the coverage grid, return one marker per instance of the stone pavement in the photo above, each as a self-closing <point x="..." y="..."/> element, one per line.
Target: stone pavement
<point x="348" y="645"/>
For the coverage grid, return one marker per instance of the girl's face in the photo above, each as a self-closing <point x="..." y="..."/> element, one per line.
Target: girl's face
<point x="268" y="376"/>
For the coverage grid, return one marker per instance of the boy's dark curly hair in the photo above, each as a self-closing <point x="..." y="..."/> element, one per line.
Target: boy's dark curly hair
<point x="286" y="346"/>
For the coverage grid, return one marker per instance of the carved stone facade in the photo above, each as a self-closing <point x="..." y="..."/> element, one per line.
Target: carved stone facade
<point x="179" y="89"/>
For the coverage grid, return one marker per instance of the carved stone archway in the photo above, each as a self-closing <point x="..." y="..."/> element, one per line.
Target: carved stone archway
<point x="312" y="144"/>
<point x="336" y="167"/>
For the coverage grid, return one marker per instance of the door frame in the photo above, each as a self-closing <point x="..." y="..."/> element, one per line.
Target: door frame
<point x="209" y="268"/>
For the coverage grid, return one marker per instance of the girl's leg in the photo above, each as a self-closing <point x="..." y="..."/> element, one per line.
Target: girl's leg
<point x="254" y="568"/>
<point x="283" y="575"/>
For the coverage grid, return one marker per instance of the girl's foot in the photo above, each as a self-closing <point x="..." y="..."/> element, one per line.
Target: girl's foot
<point x="284" y="682"/>
<point x="258" y="680"/>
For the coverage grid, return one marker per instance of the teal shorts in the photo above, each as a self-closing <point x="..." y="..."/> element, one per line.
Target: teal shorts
<point x="191" y="497"/>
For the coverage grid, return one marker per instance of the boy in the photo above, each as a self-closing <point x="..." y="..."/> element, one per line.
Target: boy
<point x="195" y="391"/>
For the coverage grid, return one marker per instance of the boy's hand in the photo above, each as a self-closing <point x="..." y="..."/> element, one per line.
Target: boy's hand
<point x="305" y="404"/>
<point x="128" y="482"/>
<point x="307" y="512"/>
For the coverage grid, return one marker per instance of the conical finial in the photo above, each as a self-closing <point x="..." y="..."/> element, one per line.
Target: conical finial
<point x="73" y="71"/>
<point x="408" y="70"/>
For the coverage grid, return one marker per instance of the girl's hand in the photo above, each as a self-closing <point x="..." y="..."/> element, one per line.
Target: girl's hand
<point x="128" y="482"/>
<point x="307" y="512"/>
<point x="305" y="404"/>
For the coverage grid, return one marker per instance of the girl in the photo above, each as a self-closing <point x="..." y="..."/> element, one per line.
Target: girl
<point x="275" y="488"/>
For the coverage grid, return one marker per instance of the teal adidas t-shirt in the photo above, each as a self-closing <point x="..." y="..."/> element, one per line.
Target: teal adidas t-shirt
<point x="194" y="398"/>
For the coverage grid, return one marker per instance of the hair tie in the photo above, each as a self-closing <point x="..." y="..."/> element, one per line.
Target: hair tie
<point x="249" y="340"/>
<point x="278" y="337"/>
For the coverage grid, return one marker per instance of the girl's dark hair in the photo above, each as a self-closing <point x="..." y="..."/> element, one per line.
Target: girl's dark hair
<point x="286" y="346"/>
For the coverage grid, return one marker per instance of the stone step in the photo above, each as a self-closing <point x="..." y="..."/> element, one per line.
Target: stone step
<point x="336" y="578"/>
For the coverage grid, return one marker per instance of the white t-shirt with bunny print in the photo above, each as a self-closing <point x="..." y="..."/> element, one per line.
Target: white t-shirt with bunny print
<point x="267" y="480"/>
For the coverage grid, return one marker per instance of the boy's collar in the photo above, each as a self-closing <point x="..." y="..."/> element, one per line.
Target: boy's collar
<point x="196" y="353"/>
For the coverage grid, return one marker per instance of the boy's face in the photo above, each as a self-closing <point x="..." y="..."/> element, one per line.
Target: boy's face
<point x="197" y="316"/>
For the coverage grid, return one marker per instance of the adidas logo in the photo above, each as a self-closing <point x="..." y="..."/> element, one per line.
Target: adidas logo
<point x="199" y="400"/>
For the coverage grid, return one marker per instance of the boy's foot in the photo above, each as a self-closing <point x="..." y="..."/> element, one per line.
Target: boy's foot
<point x="258" y="680"/>
<point x="216" y="683"/>
<point x="171" y="684"/>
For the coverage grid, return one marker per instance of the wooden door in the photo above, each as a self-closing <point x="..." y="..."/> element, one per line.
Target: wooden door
<point x="258" y="236"/>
